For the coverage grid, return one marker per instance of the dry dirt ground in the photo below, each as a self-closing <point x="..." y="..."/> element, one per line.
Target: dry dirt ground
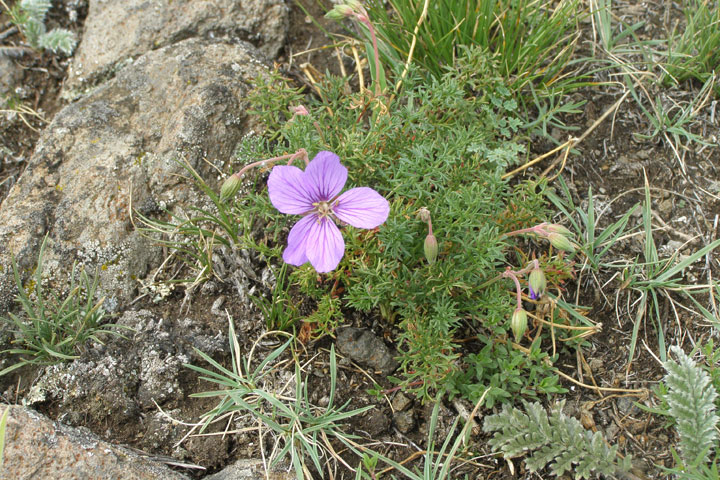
<point x="612" y="160"/>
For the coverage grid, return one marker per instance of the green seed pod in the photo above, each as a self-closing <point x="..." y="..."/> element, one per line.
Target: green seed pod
<point x="518" y="323"/>
<point x="229" y="188"/>
<point x="561" y="242"/>
<point x="431" y="248"/>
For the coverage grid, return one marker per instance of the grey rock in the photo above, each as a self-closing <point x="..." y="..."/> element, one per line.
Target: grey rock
<point x="404" y="421"/>
<point x="252" y="469"/>
<point x="116" y="31"/>
<point x="36" y="447"/>
<point x="375" y="423"/>
<point x="367" y="349"/>
<point x="11" y="76"/>
<point x="115" y="383"/>
<point x="627" y="406"/>
<point x="401" y="402"/>
<point x="118" y="148"/>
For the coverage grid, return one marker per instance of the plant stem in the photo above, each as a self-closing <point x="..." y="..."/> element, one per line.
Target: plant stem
<point x="301" y="153"/>
<point x="518" y="289"/>
<point x="365" y="19"/>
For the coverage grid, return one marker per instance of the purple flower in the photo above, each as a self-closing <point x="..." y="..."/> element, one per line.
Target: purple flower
<point x="314" y="194"/>
<point x="533" y="295"/>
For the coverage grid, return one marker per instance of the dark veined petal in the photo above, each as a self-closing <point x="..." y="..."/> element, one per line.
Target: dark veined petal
<point x="295" y="252"/>
<point x="325" y="176"/>
<point x="361" y="207"/>
<point x="289" y="190"/>
<point x="325" y="246"/>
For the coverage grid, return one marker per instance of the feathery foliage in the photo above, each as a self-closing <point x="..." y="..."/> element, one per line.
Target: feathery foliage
<point x="691" y="401"/>
<point x="555" y="439"/>
<point x="29" y="17"/>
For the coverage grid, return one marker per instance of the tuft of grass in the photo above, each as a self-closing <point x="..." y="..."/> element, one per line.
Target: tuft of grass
<point x="53" y="328"/>
<point x="694" y="50"/>
<point x="593" y="245"/>
<point x="3" y="425"/>
<point x="532" y="40"/>
<point x="532" y="43"/>
<point x="301" y="431"/>
<point x="655" y="278"/>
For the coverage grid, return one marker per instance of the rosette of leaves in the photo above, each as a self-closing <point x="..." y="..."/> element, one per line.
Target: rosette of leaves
<point x="553" y="440"/>
<point x="29" y="17"/>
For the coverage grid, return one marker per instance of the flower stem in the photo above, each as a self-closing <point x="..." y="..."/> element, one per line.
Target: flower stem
<point x="301" y="153"/>
<point x="518" y="289"/>
<point x="365" y="19"/>
<point x="535" y="229"/>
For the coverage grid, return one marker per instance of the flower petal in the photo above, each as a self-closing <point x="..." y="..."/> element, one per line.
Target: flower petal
<point x="325" y="245"/>
<point x="295" y="252"/>
<point x="325" y="176"/>
<point x="361" y="207"/>
<point x="288" y="190"/>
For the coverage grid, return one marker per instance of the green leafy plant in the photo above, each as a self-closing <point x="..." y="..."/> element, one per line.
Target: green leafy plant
<point x="29" y="17"/>
<point x="691" y="402"/>
<point x="553" y="440"/>
<point x="52" y="327"/>
<point x="498" y="372"/>
<point x="442" y="148"/>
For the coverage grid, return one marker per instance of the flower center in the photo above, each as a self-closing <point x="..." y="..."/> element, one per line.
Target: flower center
<point x="323" y="208"/>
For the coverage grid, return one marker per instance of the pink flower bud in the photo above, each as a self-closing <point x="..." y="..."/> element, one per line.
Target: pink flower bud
<point x="423" y="215"/>
<point x="555" y="228"/>
<point x="299" y="110"/>
<point x="340" y="11"/>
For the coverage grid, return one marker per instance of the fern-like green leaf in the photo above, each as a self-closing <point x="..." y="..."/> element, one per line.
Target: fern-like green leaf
<point x="33" y="30"/>
<point x="691" y="401"/>
<point x="553" y="440"/>
<point x="58" y="40"/>
<point x="36" y="9"/>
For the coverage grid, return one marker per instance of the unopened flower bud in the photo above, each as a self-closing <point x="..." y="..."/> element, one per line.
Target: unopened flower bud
<point x="299" y="110"/>
<point x="230" y="187"/>
<point x="431" y="248"/>
<point x="537" y="283"/>
<point x="518" y="323"/>
<point x="340" y="11"/>
<point x="555" y="228"/>
<point x="560" y="242"/>
<point x="423" y="215"/>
